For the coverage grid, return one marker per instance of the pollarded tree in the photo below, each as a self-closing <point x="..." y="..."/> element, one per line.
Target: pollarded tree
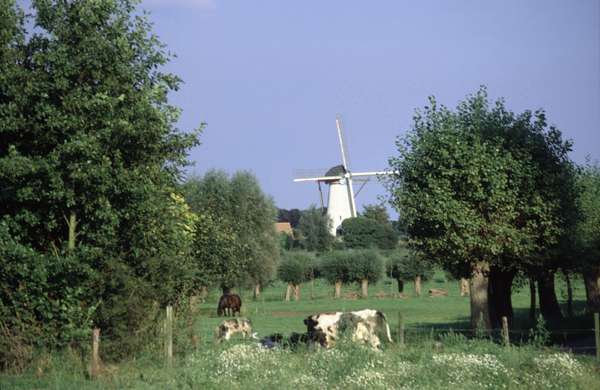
<point x="365" y="266"/>
<point x="481" y="190"/>
<point x="404" y="264"/>
<point x="336" y="269"/>
<point x="588" y="233"/>
<point x="295" y="268"/>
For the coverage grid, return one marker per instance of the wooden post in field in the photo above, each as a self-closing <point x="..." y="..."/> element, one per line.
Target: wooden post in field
<point x="169" y="335"/>
<point x="597" y="333"/>
<point x="505" y="336"/>
<point x="192" y="315"/>
<point x="95" y="365"/>
<point x="400" y="330"/>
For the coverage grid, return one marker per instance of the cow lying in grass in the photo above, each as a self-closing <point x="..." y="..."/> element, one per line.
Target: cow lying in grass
<point x="228" y="328"/>
<point x="361" y="326"/>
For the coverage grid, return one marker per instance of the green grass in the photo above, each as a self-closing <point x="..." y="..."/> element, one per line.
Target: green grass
<point x="430" y="360"/>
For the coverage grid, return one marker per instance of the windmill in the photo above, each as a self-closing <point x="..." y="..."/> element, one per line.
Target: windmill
<point x="341" y="200"/>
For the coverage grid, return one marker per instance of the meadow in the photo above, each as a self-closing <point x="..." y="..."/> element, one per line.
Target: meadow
<point x="439" y="352"/>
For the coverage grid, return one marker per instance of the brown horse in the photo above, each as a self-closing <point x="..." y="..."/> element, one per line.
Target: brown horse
<point x="231" y="303"/>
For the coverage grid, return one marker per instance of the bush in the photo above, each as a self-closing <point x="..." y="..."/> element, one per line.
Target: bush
<point x="361" y="232"/>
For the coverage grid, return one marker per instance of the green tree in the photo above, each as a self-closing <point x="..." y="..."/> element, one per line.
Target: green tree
<point x="404" y="264"/>
<point x="485" y="191"/>
<point x="295" y="268"/>
<point x="335" y="268"/>
<point x="363" y="232"/>
<point x="366" y="266"/>
<point x="313" y="230"/>
<point x="376" y="212"/>
<point x="90" y="155"/>
<point x="587" y="233"/>
<point x="249" y="252"/>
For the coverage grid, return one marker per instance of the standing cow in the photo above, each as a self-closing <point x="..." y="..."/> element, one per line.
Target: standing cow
<point x="229" y="304"/>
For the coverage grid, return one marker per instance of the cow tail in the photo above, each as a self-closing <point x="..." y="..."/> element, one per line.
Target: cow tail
<point x="383" y="320"/>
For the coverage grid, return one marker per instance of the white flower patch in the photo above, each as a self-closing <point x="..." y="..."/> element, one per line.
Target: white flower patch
<point x="248" y="358"/>
<point x="365" y="379"/>
<point x="559" y="364"/>
<point x="463" y="367"/>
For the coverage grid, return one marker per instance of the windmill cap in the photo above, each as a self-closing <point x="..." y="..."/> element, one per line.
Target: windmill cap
<point x="338" y="170"/>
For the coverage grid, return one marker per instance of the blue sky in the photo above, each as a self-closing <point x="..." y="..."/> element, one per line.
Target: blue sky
<point x="269" y="76"/>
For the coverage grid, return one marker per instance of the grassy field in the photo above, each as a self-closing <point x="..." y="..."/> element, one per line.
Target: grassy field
<point x="434" y="356"/>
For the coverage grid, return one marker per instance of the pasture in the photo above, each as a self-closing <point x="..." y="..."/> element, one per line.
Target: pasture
<point x="436" y="354"/>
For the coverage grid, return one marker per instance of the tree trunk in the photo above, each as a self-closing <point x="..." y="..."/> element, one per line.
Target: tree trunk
<point x="288" y="292"/>
<point x="549" y="307"/>
<point x="591" y="278"/>
<point x="464" y="287"/>
<point x="364" y="285"/>
<point x="532" y="303"/>
<point x="569" y="295"/>
<point x="72" y="224"/>
<point x="479" y="296"/>
<point x="312" y="288"/>
<point x="338" y="289"/>
<point x="297" y="292"/>
<point x="418" y="285"/>
<point x="499" y="295"/>
<point x="256" y="291"/>
<point x="400" y="286"/>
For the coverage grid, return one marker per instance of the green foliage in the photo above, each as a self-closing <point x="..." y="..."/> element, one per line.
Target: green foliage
<point x="86" y="131"/>
<point x="348" y="266"/>
<point x="376" y="212"/>
<point x="313" y="230"/>
<point x="236" y="243"/>
<point x="406" y="264"/>
<point x="365" y="264"/>
<point x="335" y="266"/>
<point x="296" y="267"/>
<point x="588" y="228"/>
<point x="483" y="184"/>
<point x="364" y="232"/>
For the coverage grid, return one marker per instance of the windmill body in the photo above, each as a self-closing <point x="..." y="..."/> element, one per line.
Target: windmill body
<point x="341" y="204"/>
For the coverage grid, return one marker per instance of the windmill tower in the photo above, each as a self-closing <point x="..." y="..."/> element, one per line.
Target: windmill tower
<point x="341" y="200"/>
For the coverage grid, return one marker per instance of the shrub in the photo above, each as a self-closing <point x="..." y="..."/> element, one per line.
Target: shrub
<point x="362" y="232"/>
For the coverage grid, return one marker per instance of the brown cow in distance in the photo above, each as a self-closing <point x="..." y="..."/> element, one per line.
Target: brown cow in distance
<point x="229" y="304"/>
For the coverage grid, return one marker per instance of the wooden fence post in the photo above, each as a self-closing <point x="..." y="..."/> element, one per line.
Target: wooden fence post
<point x="505" y="336"/>
<point x="95" y="365"/>
<point x="400" y="329"/>
<point x="597" y="334"/>
<point x="169" y="335"/>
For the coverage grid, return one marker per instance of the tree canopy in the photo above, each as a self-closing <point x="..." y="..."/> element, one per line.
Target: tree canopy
<point x="242" y="218"/>
<point x="481" y="187"/>
<point x="89" y="160"/>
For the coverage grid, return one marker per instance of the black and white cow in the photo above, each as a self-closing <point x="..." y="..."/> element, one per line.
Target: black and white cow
<point x="362" y="326"/>
<point x="227" y="328"/>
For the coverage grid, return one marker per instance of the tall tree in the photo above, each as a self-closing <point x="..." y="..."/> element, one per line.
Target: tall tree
<point x="484" y="191"/>
<point x="588" y="233"/>
<point x="90" y="154"/>
<point x="313" y="230"/>
<point x="247" y="252"/>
